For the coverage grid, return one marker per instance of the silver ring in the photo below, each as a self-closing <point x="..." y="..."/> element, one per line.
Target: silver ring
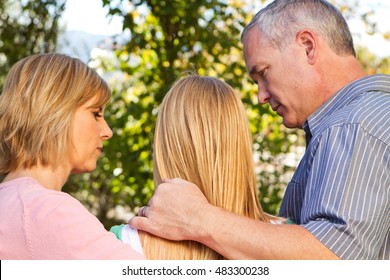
<point x="143" y="211"/>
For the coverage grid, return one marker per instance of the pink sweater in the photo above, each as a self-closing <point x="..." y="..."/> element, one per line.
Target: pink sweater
<point x="37" y="223"/>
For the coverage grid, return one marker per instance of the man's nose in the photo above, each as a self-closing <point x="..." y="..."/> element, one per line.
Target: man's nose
<point x="263" y="95"/>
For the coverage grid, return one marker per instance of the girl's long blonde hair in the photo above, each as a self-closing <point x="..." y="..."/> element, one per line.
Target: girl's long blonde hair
<point x="202" y="135"/>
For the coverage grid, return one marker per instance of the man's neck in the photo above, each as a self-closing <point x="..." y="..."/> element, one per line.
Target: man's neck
<point x="345" y="71"/>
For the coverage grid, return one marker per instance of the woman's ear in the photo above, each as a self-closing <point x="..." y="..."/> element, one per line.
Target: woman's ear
<point x="308" y="41"/>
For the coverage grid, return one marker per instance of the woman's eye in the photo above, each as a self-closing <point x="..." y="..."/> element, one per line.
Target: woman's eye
<point x="97" y="114"/>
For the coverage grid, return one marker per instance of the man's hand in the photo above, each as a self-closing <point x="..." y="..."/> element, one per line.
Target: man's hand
<point x="179" y="211"/>
<point x="174" y="212"/>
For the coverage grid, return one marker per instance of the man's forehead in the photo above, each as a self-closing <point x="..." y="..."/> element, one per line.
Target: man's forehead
<point x="254" y="49"/>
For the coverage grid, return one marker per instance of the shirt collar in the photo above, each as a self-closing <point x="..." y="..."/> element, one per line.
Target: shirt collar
<point x="343" y="97"/>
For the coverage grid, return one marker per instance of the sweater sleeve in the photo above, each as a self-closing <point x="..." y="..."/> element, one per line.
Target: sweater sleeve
<point x="59" y="227"/>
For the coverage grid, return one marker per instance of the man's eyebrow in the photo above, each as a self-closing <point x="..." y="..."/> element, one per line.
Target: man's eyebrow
<point x="256" y="68"/>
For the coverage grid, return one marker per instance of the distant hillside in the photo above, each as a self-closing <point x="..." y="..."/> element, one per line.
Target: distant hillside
<point x="80" y="44"/>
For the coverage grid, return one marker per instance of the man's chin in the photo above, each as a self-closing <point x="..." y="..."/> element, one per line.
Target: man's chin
<point x="289" y="124"/>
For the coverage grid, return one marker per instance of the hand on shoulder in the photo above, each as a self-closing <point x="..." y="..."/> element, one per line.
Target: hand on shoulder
<point x="174" y="212"/>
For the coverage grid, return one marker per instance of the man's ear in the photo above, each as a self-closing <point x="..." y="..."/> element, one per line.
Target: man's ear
<point x="308" y="41"/>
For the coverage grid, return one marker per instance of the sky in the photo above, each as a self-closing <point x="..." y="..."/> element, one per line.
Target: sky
<point x="89" y="16"/>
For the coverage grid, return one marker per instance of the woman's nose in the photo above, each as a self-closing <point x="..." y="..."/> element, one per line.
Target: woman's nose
<point x="106" y="132"/>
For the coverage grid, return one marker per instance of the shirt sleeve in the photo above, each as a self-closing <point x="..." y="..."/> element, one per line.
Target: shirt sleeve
<point x="347" y="205"/>
<point x="117" y="230"/>
<point x="128" y="236"/>
<point x="60" y="227"/>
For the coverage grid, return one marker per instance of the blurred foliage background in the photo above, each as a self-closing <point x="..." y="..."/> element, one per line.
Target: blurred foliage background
<point x="166" y="38"/>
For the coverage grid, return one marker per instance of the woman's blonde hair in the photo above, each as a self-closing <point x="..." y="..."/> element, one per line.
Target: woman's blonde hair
<point x="40" y="96"/>
<point x="202" y="135"/>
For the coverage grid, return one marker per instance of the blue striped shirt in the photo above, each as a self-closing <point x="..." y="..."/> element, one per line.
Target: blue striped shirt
<point x="340" y="191"/>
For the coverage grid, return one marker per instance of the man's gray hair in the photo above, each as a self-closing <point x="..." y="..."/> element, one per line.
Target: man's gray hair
<point x="280" y="21"/>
